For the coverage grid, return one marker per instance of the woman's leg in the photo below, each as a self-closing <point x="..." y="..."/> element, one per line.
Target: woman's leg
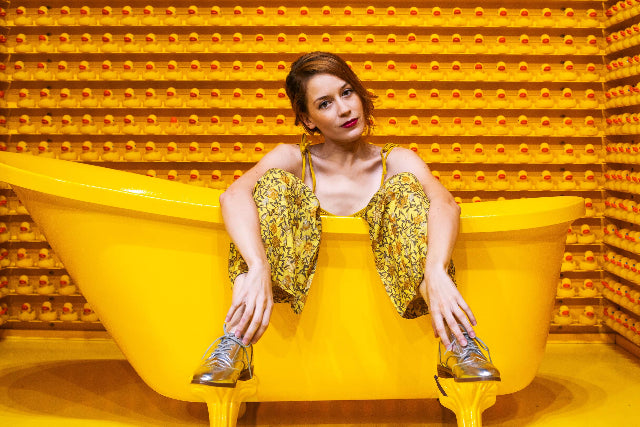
<point x="290" y="227"/>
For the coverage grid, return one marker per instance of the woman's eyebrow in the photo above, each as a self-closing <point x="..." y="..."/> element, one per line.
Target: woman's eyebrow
<point x="323" y="97"/>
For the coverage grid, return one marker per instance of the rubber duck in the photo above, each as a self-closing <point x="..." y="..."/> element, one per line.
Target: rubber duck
<point x="501" y="46"/>
<point x="68" y="127"/>
<point x="456" y="128"/>
<point x="589" y="262"/>
<point x="586" y="236"/>
<point x="568" y="72"/>
<point x="193" y="18"/>
<point x="65" y="45"/>
<point x="589" y="155"/>
<point x="522" y="100"/>
<point x="499" y="154"/>
<point x="565" y="289"/>
<point x="107" y="72"/>
<point x="65" y="18"/>
<point x="566" y="128"/>
<point x="523" y="47"/>
<point x="194" y="178"/>
<point x="26" y="314"/>
<point x="591" y="19"/>
<point x="500" y="127"/>
<point x="501" y="182"/>
<point x="88" y="127"/>
<point x="237" y="125"/>
<point x="589" y="182"/>
<point x="433" y="101"/>
<point x="173" y="153"/>
<point x="88" y="315"/>
<point x="523" y="74"/>
<point x="523" y="19"/>
<point x="194" y="127"/>
<point x="194" y="45"/>
<point x="571" y="237"/>
<point x="216" y="127"/>
<point x="589" y="101"/>
<point x="545" y="19"/>
<point x="66" y="152"/>
<point x="587" y="317"/>
<point x="130" y="127"/>
<point x="563" y="316"/>
<point x="456" y="73"/>
<point x="544" y="100"/>
<point x="63" y="72"/>
<point x="327" y="45"/>
<point x="195" y="72"/>
<point x="456" y="45"/>
<point x="590" y="47"/>
<point x="194" y="154"/>
<point x="66" y="99"/>
<point x="546" y="73"/>
<point x="522" y="183"/>
<point x="216" y="154"/>
<point x="477" y="128"/>
<point x="109" y="126"/>
<point x="591" y="73"/>
<point x="150" y="72"/>
<point x="194" y="100"/>
<point x="68" y="314"/>
<point x="544" y="154"/>
<point x="45" y="260"/>
<point x="391" y="127"/>
<point x="522" y="127"/>
<point x="128" y="71"/>
<point x="109" y="153"/>
<point x="237" y="174"/>
<point x="171" y="17"/>
<point x="414" y="128"/>
<point x="478" y="73"/>
<point x="544" y="128"/>
<point x="149" y="17"/>
<point x="281" y="46"/>
<point x="129" y="44"/>
<point x="85" y="18"/>
<point x="131" y="154"/>
<point x="42" y="72"/>
<point x="568" y="263"/>
<point x="434" y="126"/>
<point x="26" y="234"/>
<point x="477" y="101"/>
<point x="24" y="100"/>
<point x="108" y="45"/>
<point x="150" y="99"/>
<point x="500" y="101"/>
<point x="391" y="72"/>
<point x="172" y="100"/>
<point x="568" y="19"/>
<point x="434" y="155"/>
<point x="22" y="44"/>
<point x="587" y="289"/>
<point x="152" y="127"/>
<point x="130" y="99"/>
<point x="479" y="182"/>
<point x="88" y="100"/>
<point x="456" y="154"/>
<point x="174" y="45"/>
<point x="567" y="182"/>
<point x="4" y="231"/>
<point x="150" y="153"/>
<point x="567" y="155"/>
<point x="43" y="45"/>
<point x="567" y="100"/>
<point x="456" y="182"/>
<point x="107" y="18"/>
<point x="23" y="259"/>
<point x="478" y="47"/>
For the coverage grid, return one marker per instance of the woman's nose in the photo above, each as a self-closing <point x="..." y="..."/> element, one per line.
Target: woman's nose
<point x="343" y="108"/>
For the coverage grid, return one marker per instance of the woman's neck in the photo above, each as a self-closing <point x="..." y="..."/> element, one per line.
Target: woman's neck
<point x="344" y="153"/>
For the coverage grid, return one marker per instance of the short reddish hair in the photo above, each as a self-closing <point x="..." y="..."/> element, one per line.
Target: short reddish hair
<point x="310" y="64"/>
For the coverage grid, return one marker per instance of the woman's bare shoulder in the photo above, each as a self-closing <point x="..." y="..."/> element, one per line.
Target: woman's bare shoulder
<point x="282" y="156"/>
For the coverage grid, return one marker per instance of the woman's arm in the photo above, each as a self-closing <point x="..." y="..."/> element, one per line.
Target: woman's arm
<point x="446" y="305"/>
<point x="252" y="301"/>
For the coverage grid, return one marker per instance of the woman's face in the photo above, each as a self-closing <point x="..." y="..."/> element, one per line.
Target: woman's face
<point x="335" y="109"/>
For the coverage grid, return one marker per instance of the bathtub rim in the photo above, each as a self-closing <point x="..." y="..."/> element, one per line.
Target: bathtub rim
<point x="135" y="192"/>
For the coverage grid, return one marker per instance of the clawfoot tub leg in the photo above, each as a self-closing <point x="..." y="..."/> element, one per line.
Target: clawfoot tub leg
<point x="467" y="399"/>
<point x="224" y="403"/>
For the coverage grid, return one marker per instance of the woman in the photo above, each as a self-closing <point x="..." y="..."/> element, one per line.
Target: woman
<point x="272" y="214"/>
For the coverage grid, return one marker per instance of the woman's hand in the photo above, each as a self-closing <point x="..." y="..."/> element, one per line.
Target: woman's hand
<point x="446" y="305"/>
<point x="251" y="305"/>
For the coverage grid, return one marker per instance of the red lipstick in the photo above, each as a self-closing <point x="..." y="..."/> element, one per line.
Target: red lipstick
<point x="351" y="123"/>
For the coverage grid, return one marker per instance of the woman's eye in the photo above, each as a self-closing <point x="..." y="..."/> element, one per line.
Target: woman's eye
<point x="323" y="105"/>
<point x="347" y="92"/>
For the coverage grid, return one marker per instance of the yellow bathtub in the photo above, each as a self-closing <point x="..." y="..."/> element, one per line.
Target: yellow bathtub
<point x="151" y="258"/>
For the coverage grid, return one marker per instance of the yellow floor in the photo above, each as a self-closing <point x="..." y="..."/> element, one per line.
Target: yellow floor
<point x="73" y="382"/>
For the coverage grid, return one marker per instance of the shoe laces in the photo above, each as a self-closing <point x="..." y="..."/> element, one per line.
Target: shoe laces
<point x="474" y="346"/>
<point x="222" y="350"/>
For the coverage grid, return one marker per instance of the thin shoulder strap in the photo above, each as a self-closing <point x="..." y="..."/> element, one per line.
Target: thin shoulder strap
<point x="384" y="153"/>
<point x="306" y="157"/>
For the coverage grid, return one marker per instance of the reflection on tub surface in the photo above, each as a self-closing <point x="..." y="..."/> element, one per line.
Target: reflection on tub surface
<point x="151" y="258"/>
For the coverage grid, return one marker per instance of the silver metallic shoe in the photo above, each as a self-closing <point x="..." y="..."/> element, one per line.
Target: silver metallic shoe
<point x="468" y="363"/>
<point x="229" y="362"/>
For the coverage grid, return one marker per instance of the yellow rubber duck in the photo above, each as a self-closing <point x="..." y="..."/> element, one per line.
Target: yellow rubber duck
<point x="88" y="127"/>
<point x="586" y="236"/>
<point x="391" y="127"/>
<point x="63" y="72"/>
<point x="434" y="155"/>
<point x="151" y="154"/>
<point x="107" y="72"/>
<point x="195" y="72"/>
<point x="456" y="72"/>
<point x="65" y="45"/>
<point x="544" y="154"/>
<point x="434" y="101"/>
<point x="88" y="100"/>
<point x="456" y="19"/>
<point x="477" y="101"/>
<point x="456" y="154"/>
<point x="456" y="128"/>
<point x="149" y="17"/>
<point x="523" y="47"/>
<point x="108" y="45"/>
<point x="588" y="316"/>
<point x="88" y="315"/>
<point x="523" y="19"/>
<point x="414" y="128"/>
<point x="567" y="182"/>
<point x="130" y="127"/>
<point x="479" y="182"/>
<point x="42" y="72"/>
<point x="546" y="73"/>
<point x="500" y="127"/>
<point x="304" y="17"/>
<point x="477" y="128"/>
<point x="132" y="154"/>
<point x="501" y="19"/>
<point x="217" y="181"/>
<point x="522" y="183"/>
<point x="589" y="182"/>
<point x="571" y="237"/>
<point x="128" y="71"/>
<point x="522" y="99"/>
<point x="478" y="155"/>
<point x="369" y="18"/>
<point x="566" y="100"/>
<point x="173" y="154"/>
<point x="501" y="47"/>
<point x="237" y="126"/>
<point x="68" y="127"/>
<point x="568" y="72"/>
<point x="589" y="155"/>
<point x="566" y="128"/>
<point x="216" y="154"/>
<point x="522" y="127"/>
<point x="568" y="19"/>
<point x="151" y="100"/>
<point x="545" y="183"/>
<point x="500" y="100"/>
<point x="260" y="126"/>
<point x="109" y="126"/>
<point x="193" y="17"/>
<point x="194" y="127"/>
<point x="152" y="127"/>
<point x="129" y="43"/>
<point x="500" y="154"/>
<point x="568" y="263"/>
<point x="501" y="182"/>
<point x="434" y="127"/>
<point x="130" y="99"/>
<point x="281" y="46"/>
<point x="194" y="154"/>
<point x="88" y="154"/>
<point x="67" y="152"/>
<point x="545" y="47"/>
<point x="172" y="100"/>
<point x="544" y="100"/>
<point x="171" y="17"/>
<point x="456" y="45"/>
<point x="588" y="262"/>
<point x="590" y="101"/>
<point x="478" y="47"/>
<point x="258" y="152"/>
<point x="545" y="128"/>
<point x="66" y="18"/>
<point x="591" y="20"/>
<point x="565" y="289"/>
<point x="369" y="45"/>
<point x="456" y="182"/>
<point x="216" y="127"/>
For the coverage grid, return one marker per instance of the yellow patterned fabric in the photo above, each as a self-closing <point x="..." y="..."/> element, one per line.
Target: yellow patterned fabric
<point x="290" y="225"/>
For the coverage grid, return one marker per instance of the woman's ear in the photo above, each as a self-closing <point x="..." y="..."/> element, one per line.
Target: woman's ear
<point x="308" y="123"/>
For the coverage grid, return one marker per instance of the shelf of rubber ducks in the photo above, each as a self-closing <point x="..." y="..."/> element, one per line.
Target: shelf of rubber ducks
<point x="621" y="233"/>
<point x="500" y="99"/>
